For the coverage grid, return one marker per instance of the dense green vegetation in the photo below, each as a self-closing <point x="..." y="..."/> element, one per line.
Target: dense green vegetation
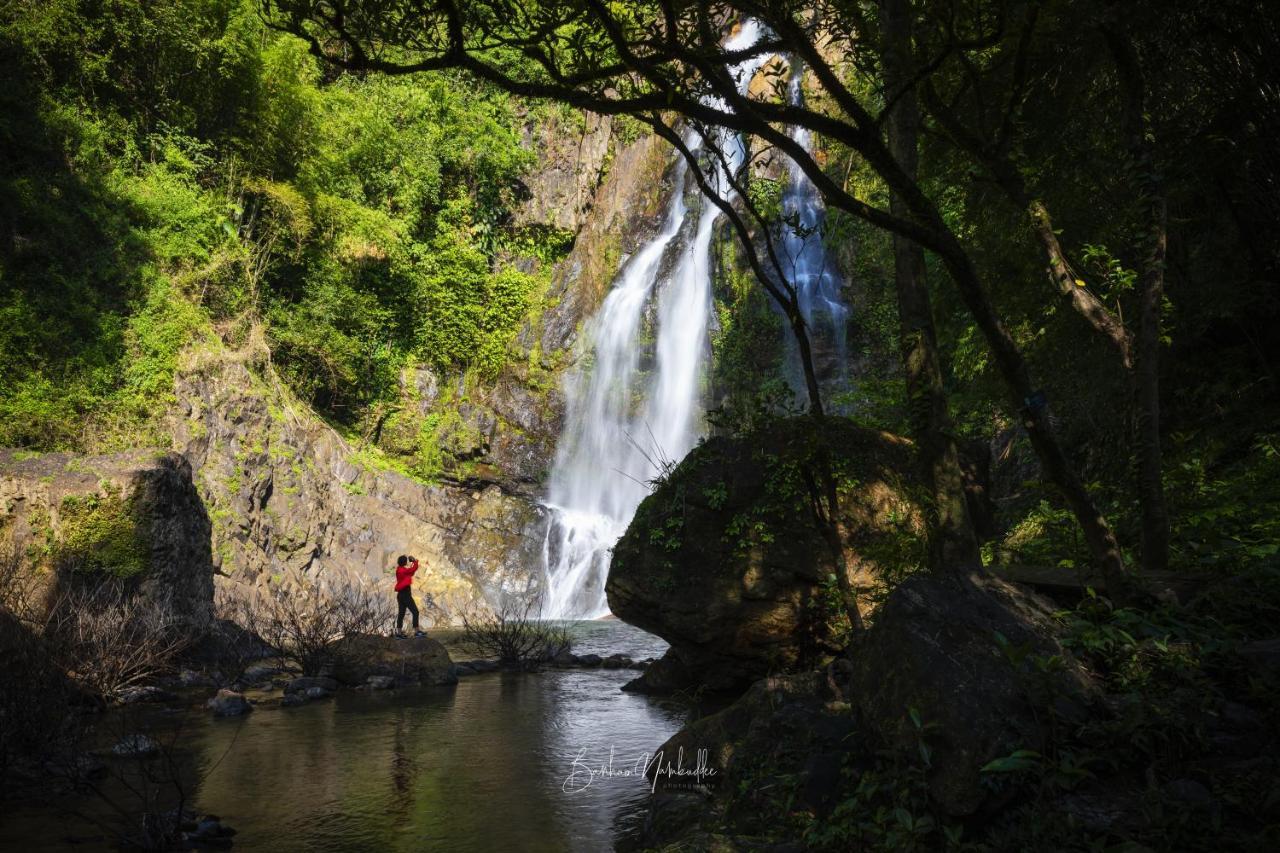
<point x="178" y="171"/>
<point x="1057" y="220"/>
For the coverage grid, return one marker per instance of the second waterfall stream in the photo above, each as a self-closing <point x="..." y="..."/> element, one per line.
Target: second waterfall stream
<point x="623" y="422"/>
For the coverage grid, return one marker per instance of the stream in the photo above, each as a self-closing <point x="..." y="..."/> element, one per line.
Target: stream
<point x="487" y="765"/>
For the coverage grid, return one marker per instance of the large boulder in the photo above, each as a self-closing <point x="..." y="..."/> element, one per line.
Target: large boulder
<point x="726" y="562"/>
<point x="960" y="651"/>
<point x="413" y="660"/>
<point x="948" y="669"/>
<point x="134" y="516"/>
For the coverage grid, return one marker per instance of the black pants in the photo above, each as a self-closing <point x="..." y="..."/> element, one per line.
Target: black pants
<point x="405" y="599"/>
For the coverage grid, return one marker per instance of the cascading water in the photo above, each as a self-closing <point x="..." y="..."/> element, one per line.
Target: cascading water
<point x="805" y="262"/>
<point x="622" y="423"/>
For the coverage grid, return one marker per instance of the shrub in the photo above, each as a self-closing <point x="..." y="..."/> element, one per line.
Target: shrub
<point x="305" y="622"/>
<point x="514" y="637"/>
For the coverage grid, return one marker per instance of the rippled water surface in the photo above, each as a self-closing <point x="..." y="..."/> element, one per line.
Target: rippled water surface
<point x="482" y="766"/>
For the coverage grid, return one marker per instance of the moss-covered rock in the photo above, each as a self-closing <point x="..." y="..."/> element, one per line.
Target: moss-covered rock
<point x="104" y="532"/>
<point x="726" y="562"/>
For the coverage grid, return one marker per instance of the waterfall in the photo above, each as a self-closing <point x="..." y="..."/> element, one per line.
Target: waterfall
<point x="623" y="424"/>
<point x="804" y="260"/>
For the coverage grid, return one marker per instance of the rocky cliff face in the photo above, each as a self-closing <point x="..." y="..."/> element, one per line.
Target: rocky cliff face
<point x="135" y="516"/>
<point x="503" y="431"/>
<point x="287" y="496"/>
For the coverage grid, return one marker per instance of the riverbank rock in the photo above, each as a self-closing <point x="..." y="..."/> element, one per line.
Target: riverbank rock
<point x="725" y="561"/>
<point x="948" y="665"/>
<point x="414" y="660"/>
<point x="305" y="683"/>
<point x="228" y="703"/>
<point x="134" y="516"/>
<point x="147" y="693"/>
<point x="308" y="688"/>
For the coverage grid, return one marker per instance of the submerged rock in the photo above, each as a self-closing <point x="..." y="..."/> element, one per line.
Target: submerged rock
<point x="413" y="660"/>
<point x="210" y="831"/>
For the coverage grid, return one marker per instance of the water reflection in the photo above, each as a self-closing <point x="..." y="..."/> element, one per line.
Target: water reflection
<point x="476" y="767"/>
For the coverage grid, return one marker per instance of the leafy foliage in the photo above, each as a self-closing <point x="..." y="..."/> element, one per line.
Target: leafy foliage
<point x="183" y="172"/>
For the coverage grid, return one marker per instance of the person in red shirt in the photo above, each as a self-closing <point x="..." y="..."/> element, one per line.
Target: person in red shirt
<point x="405" y="567"/>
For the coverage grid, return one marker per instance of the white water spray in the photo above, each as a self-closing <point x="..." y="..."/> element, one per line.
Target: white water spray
<point x="803" y="257"/>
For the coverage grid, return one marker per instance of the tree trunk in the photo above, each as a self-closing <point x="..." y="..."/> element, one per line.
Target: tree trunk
<point x="1155" y="518"/>
<point x="1070" y="286"/>
<point x="952" y="543"/>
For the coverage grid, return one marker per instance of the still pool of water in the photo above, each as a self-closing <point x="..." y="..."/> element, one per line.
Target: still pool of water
<point x="487" y="766"/>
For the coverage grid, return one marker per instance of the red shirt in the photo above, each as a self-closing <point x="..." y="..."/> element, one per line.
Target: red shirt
<point x="404" y="575"/>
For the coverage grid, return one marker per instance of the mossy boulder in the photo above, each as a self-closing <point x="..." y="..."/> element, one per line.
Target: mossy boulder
<point x="949" y="678"/>
<point x="726" y="561"/>
<point x="412" y="660"/>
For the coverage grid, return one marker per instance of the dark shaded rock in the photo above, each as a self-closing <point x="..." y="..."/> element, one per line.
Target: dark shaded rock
<point x="228" y="703"/>
<point x="380" y="682"/>
<point x="482" y="665"/>
<point x="616" y="661"/>
<point x="307" y="683"/>
<point x="225" y="644"/>
<point x="590" y="660"/>
<point x="673" y="816"/>
<point x="191" y="679"/>
<point x="135" y="746"/>
<point x="934" y="649"/>
<point x="209" y="831"/>
<point x="136" y="514"/>
<point x="1097" y="812"/>
<point x="259" y="673"/>
<point x="703" y="564"/>
<point x="725" y="733"/>
<point x="821" y="780"/>
<point x="305" y="695"/>
<point x="668" y="674"/>
<point x="1241" y="718"/>
<point x="463" y="670"/>
<point x="415" y="660"/>
<point x="1264" y="657"/>
<point x="1190" y="792"/>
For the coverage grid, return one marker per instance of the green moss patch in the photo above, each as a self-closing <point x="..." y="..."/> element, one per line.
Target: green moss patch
<point x="103" y="532"/>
